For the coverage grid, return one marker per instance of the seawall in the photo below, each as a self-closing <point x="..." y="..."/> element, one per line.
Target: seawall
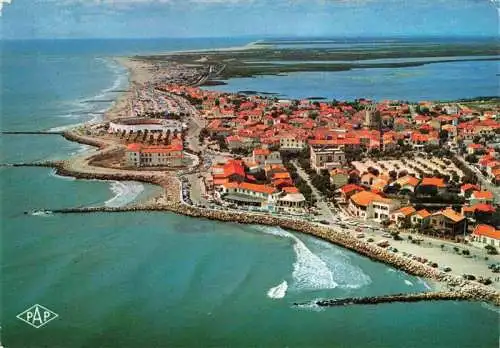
<point x="404" y="298"/>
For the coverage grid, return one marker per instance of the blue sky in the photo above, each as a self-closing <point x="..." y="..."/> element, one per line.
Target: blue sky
<point x="207" y="18"/>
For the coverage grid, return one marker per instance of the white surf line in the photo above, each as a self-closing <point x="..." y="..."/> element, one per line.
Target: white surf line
<point x="125" y="192"/>
<point x="309" y="271"/>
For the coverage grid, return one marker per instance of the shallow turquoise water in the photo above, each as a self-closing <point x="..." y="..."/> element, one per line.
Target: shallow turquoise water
<point x="163" y="280"/>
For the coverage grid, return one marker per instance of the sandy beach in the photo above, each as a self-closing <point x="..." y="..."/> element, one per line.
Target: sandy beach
<point x="139" y="73"/>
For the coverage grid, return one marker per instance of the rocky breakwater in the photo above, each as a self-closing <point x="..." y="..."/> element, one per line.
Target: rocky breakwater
<point x="408" y="297"/>
<point x="81" y="139"/>
<point x="48" y="164"/>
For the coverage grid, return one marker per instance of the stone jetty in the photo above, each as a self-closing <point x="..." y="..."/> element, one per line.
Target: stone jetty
<point x="31" y="132"/>
<point x="48" y="164"/>
<point x="405" y="298"/>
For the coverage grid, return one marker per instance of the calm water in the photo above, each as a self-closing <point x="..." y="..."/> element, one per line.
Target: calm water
<point x="437" y="81"/>
<point x="162" y="280"/>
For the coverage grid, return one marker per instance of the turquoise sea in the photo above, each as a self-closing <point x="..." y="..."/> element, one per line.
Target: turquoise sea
<point x="163" y="280"/>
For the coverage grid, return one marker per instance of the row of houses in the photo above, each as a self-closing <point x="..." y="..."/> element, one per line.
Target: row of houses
<point x="234" y="181"/>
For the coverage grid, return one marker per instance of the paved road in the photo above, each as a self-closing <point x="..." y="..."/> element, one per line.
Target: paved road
<point x="326" y="213"/>
<point x="485" y="183"/>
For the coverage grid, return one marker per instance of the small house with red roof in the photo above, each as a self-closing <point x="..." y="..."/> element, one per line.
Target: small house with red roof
<point x="420" y="218"/>
<point x="448" y="222"/>
<point x="370" y="205"/>
<point x="437" y="183"/>
<point x="467" y="189"/>
<point x="348" y="190"/>
<point x="481" y="208"/>
<point x="290" y="200"/>
<point x="486" y="235"/>
<point x="402" y="215"/>
<point x="481" y="197"/>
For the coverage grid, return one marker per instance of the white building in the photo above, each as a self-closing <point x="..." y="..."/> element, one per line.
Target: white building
<point x="151" y="125"/>
<point x="292" y="143"/>
<point x="326" y="158"/>
<point x="369" y="205"/>
<point x="486" y="235"/>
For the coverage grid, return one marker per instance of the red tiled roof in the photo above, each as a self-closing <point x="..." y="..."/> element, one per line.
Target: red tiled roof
<point x="423" y="213"/>
<point x="452" y="215"/>
<point x="433" y="182"/>
<point x="467" y="187"/>
<point x="263" y="152"/>
<point x="257" y="188"/>
<point x="487" y="231"/>
<point x="406" y="211"/>
<point x="364" y="198"/>
<point x="134" y="147"/>
<point x="484" y="208"/>
<point x="482" y="195"/>
<point x="351" y="187"/>
<point x="291" y="189"/>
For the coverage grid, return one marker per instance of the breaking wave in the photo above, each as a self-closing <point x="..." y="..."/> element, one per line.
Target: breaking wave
<point x="311" y="306"/>
<point x="278" y="291"/>
<point x="125" y="193"/>
<point x="347" y="275"/>
<point x="328" y="269"/>
<point x="85" y="110"/>
<point x="42" y="213"/>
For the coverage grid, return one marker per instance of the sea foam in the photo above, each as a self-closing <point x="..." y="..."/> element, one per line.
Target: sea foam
<point x="328" y="269"/>
<point x="89" y="112"/>
<point x="278" y="291"/>
<point x="125" y="193"/>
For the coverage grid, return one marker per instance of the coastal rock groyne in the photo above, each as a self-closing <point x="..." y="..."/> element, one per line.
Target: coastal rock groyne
<point x="72" y="136"/>
<point x="48" y="164"/>
<point x="31" y="132"/>
<point x="61" y="169"/>
<point x="462" y="288"/>
<point x="410" y="297"/>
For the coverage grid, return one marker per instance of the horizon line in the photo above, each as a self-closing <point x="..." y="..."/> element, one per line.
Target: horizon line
<point x="255" y="36"/>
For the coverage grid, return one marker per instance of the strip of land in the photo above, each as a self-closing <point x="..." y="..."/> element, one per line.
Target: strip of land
<point x="148" y="97"/>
